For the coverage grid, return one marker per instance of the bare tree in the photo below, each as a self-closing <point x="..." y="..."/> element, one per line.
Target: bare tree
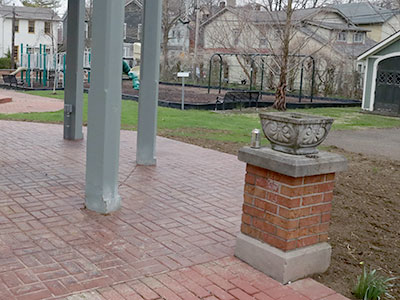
<point x="42" y="3"/>
<point x="280" y="95"/>
<point x="276" y="27"/>
<point x="88" y="19"/>
<point x="173" y="12"/>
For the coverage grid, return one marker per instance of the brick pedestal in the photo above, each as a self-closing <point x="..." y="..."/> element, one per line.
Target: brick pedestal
<point x="286" y="212"/>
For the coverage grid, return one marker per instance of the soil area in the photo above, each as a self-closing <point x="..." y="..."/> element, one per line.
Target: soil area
<point x="365" y="224"/>
<point x="173" y="93"/>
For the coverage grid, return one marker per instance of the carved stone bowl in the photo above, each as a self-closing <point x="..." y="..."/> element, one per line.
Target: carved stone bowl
<point x="295" y="133"/>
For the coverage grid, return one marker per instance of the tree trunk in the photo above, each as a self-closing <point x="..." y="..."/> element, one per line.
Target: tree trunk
<point x="280" y="95"/>
<point x="165" y="55"/>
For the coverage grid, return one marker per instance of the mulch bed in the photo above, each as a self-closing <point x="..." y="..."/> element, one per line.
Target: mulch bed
<point x="173" y="93"/>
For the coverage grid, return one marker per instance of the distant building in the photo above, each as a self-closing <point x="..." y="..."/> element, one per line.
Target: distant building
<point x="178" y="35"/>
<point x="133" y="15"/>
<point x="323" y="32"/>
<point x="380" y="22"/>
<point x="178" y="38"/>
<point x="33" y="27"/>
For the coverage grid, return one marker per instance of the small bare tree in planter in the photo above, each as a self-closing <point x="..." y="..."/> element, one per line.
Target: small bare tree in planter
<point x="277" y="29"/>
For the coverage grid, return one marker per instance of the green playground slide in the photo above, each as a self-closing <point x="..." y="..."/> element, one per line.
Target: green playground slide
<point x="132" y="75"/>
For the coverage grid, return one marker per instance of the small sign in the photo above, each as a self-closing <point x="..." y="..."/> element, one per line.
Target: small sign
<point x="183" y="74"/>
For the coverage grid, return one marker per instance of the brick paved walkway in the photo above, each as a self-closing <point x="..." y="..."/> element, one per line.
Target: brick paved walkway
<point x="172" y="239"/>
<point x="22" y="103"/>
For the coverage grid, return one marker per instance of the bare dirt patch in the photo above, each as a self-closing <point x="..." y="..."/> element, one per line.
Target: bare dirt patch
<point x="365" y="224"/>
<point x="173" y="93"/>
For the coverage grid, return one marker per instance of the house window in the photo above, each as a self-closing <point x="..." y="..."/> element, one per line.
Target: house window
<point x="31" y="50"/>
<point x="263" y="42"/>
<point x="276" y="34"/>
<point x="16" y="26"/>
<point x="342" y="37"/>
<point x="124" y="30"/>
<point x="358" y="37"/>
<point x="359" y="67"/>
<point x="31" y="26"/>
<point x="16" y="52"/>
<point x="47" y="27"/>
<point x="139" y="31"/>
<point x="236" y="34"/>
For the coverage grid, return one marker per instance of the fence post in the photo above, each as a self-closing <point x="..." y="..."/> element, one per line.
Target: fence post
<point x="312" y="79"/>
<point x="301" y="82"/>
<point x="262" y="75"/>
<point x="40" y="64"/>
<point x="209" y="74"/>
<point x="64" y="70"/>
<point x="44" y="66"/>
<point x="21" y="62"/>
<point x="28" y="74"/>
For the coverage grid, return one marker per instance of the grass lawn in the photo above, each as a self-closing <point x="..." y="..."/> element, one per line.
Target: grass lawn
<point x="207" y="127"/>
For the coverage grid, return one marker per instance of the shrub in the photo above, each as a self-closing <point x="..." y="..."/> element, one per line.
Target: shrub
<point x="5" y="63"/>
<point x="372" y="286"/>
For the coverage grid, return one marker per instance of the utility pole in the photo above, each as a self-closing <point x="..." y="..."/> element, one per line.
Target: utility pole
<point x="13" y="39"/>
<point x="196" y="38"/>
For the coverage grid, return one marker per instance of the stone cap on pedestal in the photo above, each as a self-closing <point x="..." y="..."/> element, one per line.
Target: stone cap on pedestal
<point x="293" y="165"/>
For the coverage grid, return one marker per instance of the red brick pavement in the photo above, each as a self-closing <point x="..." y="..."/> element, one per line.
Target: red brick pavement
<point x="172" y="239"/>
<point x="23" y="103"/>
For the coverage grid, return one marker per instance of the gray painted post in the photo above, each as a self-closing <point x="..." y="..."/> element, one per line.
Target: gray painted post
<point x="74" y="71"/>
<point x="104" y="108"/>
<point x="149" y="77"/>
<point x="183" y="93"/>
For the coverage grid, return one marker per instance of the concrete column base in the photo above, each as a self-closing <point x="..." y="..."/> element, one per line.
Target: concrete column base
<point x="101" y="204"/>
<point x="283" y="266"/>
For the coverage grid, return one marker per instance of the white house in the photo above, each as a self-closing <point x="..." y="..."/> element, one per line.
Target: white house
<point x="33" y="27"/>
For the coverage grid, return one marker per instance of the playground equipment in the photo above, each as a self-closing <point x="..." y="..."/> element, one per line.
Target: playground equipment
<point x="252" y="57"/>
<point x="20" y="69"/>
<point x="48" y="69"/>
<point x="41" y="68"/>
<point x="132" y="75"/>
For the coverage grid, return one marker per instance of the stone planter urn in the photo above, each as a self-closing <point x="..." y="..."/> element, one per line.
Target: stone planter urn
<point x="287" y="198"/>
<point x="295" y="133"/>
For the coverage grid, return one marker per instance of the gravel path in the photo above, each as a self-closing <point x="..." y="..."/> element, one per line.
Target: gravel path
<point x="380" y="142"/>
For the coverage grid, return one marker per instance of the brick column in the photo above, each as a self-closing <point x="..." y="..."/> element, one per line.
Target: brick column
<point x="286" y="212"/>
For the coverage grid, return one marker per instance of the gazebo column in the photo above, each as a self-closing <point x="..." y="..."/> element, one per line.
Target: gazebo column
<point x="149" y="78"/>
<point x="73" y="97"/>
<point x="104" y="109"/>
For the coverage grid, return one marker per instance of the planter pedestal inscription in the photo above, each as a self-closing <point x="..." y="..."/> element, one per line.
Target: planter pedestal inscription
<point x="286" y="212"/>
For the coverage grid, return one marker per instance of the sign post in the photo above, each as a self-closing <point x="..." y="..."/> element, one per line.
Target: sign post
<point x="183" y="75"/>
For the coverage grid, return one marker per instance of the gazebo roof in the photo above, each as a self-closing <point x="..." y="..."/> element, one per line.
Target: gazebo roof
<point x="378" y="47"/>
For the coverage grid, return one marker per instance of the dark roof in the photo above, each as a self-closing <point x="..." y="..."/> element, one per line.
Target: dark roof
<point x="137" y="2"/>
<point x="352" y="50"/>
<point x="266" y="17"/>
<point x="337" y="26"/>
<point x="29" y="13"/>
<point x="365" y="13"/>
<point x="259" y="17"/>
<point x="380" y="46"/>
